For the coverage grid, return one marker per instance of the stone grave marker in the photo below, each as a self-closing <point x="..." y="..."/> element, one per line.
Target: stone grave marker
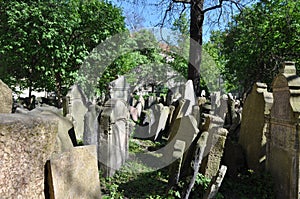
<point x="113" y="136"/>
<point x="74" y="174"/>
<point x="283" y="138"/>
<point x="91" y="125"/>
<point x="119" y="89"/>
<point x="256" y="112"/>
<point x="26" y="143"/>
<point x="77" y="109"/>
<point x="6" y="98"/>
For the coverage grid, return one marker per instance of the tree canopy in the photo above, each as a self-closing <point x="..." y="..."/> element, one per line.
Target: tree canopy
<point x="43" y="43"/>
<point x="258" y="40"/>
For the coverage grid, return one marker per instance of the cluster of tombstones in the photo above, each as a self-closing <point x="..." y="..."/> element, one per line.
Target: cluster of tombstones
<point x="200" y="134"/>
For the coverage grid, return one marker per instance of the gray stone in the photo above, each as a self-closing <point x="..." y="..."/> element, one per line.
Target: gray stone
<point x="119" y="89"/>
<point x="74" y="174"/>
<point x="113" y="136"/>
<point x="91" y="125"/>
<point x="221" y="112"/>
<point x="77" y="109"/>
<point x="6" y="98"/>
<point x="283" y="138"/>
<point x="189" y="94"/>
<point x="175" y="167"/>
<point x="64" y="137"/>
<point x="26" y="143"/>
<point x="256" y="111"/>
<point x="213" y="151"/>
<point x="215" y="101"/>
<point x="215" y="184"/>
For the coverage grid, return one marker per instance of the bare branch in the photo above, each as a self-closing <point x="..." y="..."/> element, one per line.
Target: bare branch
<point x="181" y="1"/>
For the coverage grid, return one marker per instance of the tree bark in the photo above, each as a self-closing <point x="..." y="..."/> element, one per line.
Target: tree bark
<point x="195" y="52"/>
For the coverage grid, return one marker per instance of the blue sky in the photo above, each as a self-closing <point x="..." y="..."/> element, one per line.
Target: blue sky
<point x="152" y="15"/>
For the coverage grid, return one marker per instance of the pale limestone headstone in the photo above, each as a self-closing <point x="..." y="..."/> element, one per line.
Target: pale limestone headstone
<point x="256" y="111"/>
<point x="91" y="125"/>
<point x="77" y="109"/>
<point x="26" y="143"/>
<point x="223" y="109"/>
<point x="74" y="174"/>
<point x="283" y="138"/>
<point x="119" y="89"/>
<point x="6" y="99"/>
<point x="185" y="129"/>
<point x="189" y="94"/>
<point x="113" y="136"/>
<point x="215" y="101"/>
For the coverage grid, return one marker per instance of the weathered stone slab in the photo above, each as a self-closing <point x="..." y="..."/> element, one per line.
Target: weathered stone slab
<point x="77" y="109"/>
<point x="74" y="174"/>
<point x="91" y="125"/>
<point x="215" y="184"/>
<point x="175" y="167"/>
<point x="6" y="99"/>
<point x="213" y="151"/>
<point x="254" y="126"/>
<point x="65" y="138"/>
<point x="26" y="143"/>
<point x="113" y="136"/>
<point x="119" y="89"/>
<point x="283" y="139"/>
<point x="189" y="94"/>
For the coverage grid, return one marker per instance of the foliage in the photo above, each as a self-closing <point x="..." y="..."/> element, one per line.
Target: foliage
<point x="43" y="43"/>
<point x="258" y="41"/>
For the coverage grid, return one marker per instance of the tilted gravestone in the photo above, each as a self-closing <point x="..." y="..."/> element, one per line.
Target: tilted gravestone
<point x="256" y="111"/>
<point x="26" y="143"/>
<point x="113" y="136"/>
<point x="189" y="95"/>
<point x="283" y="138"/>
<point x="214" y="151"/>
<point x="6" y="99"/>
<point x="77" y="109"/>
<point x="73" y="174"/>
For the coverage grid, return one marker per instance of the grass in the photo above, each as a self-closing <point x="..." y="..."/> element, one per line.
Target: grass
<point x="137" y="180"/>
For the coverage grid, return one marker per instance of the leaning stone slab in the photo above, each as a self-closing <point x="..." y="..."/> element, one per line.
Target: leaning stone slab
<point x="26" y="143"/>
<point x="5" y="98"/>
<point x="215" y="184"/>
<point x="74" y="174"/>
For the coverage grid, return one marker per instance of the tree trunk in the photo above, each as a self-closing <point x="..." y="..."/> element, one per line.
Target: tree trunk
<point x="58" y="84"/>
<point x="195" y="53"/>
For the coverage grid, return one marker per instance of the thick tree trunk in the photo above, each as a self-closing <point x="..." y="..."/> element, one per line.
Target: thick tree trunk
<point x="195" y="53"/>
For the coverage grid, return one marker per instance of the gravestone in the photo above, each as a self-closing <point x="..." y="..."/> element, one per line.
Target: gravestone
<point x="223" y="109"/>
<point x="256" y="111"/>
<point x="26" y="143"/>
<point x="215" y="101"/>
<point x="65" y="139"/>
<point x="119" y="89"/>
<point x="6" y="98"/>
<point x="214" y="151"/>
<point x="215" y="183"/>
<point x="91" y="125"/>
<point x="77" y="109"/>
<point x="283" y="138"/>
<point x="74" y="174"/>
<point x="175" y="167"/>
<point x="189" y="95"/>
<point x="113" y="136"/>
